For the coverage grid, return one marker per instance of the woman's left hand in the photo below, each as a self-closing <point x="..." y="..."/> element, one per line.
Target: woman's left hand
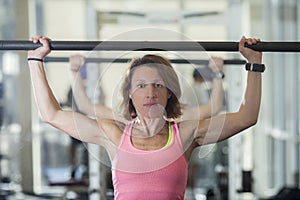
<point x="251" y="55"/>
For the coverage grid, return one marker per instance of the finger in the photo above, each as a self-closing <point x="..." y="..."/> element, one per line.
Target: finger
<point x="34" y="40"/>
<point x="38" y="37"/>
<point x="249" y="41"/>
<point x="257" y="40"/>
<point x="253" y="40"/>
<point x="242" y="43"/>
<point x="44" y="41"/>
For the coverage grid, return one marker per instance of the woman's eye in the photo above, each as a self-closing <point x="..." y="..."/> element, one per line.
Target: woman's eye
<point x="141" y="85"/>
<point x="158" y="85"/>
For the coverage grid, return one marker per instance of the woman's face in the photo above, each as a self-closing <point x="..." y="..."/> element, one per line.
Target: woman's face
<point x="148" y="92"/>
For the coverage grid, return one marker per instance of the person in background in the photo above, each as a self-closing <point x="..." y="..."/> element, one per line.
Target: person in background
<point x="84" y="104"/>
<point x="77" y="152"/>
<point x="201" y="165"/>
<point x="200" y="89"/>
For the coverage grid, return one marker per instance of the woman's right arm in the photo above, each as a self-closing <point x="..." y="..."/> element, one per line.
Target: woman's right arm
<point x="74" y="124"/>
<point x="84" y="104"/>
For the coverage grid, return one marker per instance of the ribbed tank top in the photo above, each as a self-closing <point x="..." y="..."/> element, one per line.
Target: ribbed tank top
<point x="159" y="174"/>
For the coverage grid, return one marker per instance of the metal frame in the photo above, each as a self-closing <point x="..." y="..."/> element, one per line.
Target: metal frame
<point x="126" y="60"/>
<point x="149" y="46"/>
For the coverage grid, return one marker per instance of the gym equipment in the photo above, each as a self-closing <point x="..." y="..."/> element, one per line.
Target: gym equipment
<point x="125" y="60"/>
<point x="149" y="46"/>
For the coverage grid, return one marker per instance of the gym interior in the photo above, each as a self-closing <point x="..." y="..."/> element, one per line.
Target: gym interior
<point x="38" y="161"/>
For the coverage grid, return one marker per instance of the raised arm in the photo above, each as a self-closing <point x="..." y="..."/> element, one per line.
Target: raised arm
<point x="84" y="104"/>
<point x="217" y="93"/>
<point x="223" y="126"/>
<point x="247" y="115"/>
<point x="74" y="124"/>
<point x="216" y="100"/>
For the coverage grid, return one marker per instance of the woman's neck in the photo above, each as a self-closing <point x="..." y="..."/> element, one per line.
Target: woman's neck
<point x="148" y="127"/>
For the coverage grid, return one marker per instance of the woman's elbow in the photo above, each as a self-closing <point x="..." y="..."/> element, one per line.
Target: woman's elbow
<point x="250" y="121"/>
<point x="48" y="117"/>
<point x="248" y="117"/>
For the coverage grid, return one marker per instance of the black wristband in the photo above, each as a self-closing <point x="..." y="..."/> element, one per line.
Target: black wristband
<point x="35" y="59"/>
<point x="219" y="75"/>
<point x="255" y="67"/>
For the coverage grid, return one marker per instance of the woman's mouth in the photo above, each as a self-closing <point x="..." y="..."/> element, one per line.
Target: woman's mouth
<point x="149" y="104"/>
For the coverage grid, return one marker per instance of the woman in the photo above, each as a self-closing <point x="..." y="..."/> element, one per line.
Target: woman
<point x="149" y="153"/>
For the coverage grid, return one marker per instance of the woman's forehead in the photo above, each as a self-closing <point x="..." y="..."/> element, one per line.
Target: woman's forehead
<point x="146" y="72"/>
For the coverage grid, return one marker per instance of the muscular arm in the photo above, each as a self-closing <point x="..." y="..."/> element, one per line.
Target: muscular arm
<point x="74" y="124"/>
<point x="223" y="126"/>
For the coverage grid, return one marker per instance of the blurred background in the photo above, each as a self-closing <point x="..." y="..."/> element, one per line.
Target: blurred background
<point x="40" y="162"/>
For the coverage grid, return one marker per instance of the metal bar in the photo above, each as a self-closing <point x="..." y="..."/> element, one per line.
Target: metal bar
<point x="149" y="46"/>
<point x="126" y="60"/>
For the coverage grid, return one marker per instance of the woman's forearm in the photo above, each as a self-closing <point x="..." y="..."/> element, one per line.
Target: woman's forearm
<point x="45" y="99"/>
<point x="250" y="105"/>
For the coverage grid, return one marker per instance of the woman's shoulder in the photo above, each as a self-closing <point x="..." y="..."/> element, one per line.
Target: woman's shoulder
<point x="112" y="129"/>
<point x="112" y="124"/>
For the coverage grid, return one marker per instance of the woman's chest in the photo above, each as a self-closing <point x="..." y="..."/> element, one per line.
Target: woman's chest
<point x="155" y="142"/>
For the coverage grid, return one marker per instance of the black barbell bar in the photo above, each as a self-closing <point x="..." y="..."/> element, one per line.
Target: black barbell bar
<point x="149" y="46"/>
<point x="126" y="60"/>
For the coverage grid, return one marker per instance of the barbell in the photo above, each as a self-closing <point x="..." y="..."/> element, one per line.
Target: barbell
<point x="149" y="46"/>
<point x="126" y="60"/>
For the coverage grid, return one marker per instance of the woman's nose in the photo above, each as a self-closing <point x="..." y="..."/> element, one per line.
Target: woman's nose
<point x="151" y="91"/>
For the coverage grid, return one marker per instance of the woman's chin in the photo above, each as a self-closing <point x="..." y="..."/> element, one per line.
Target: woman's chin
<point x="155" y="111"/>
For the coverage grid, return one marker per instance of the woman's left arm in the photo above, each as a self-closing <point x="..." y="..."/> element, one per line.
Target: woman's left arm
<point x="221" y="127"/>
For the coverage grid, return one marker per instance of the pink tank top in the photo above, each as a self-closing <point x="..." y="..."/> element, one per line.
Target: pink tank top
<point x="159" y="174"/>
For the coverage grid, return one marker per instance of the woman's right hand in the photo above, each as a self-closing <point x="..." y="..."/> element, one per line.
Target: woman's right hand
<point x="42" y="51"/>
